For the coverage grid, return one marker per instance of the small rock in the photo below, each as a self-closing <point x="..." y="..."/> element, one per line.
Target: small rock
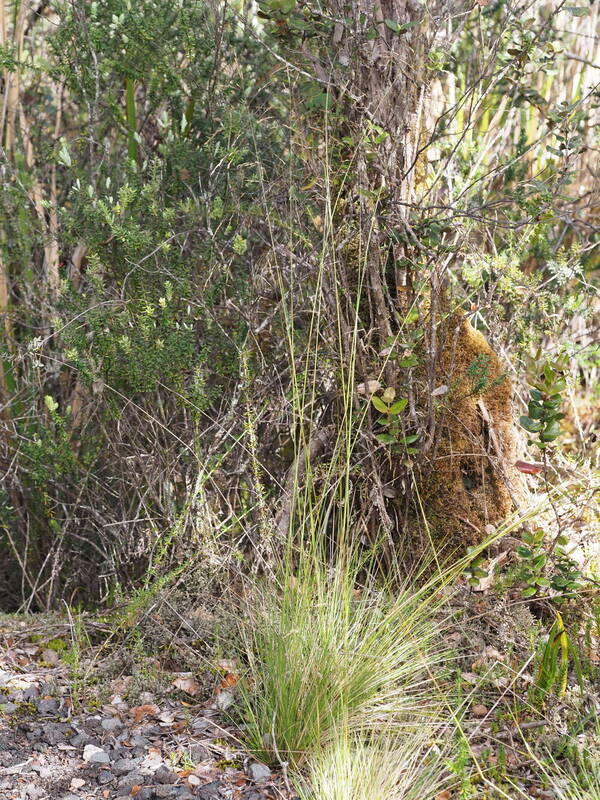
<point x="95" y="755"/>
<point x="77" y="783"/>
<point x="146" y="793"/>
<point x="55" y="732"/>
<point x="34" y="792"/>
<point x="131" y="779"/>
<point x="165" y="791"/>
<point x="8" y="708"/>
<point x="47" y="707"/>
<point x="210" y="791"/>
<point x="123" y="766"/>
<point x="51" y="656"/>
<point x="151" y="730"/>
<point x="224" y="700"/>
<point x="259" y="772"/>
<point x="111" y="724"/>
<point x="164" y="775"/>
<point x="104" y="777"/>
<point x="198" y="752"/>
<point x="139" y="741"/>
<point x="93" y="723"/>
<point x="81" y="739"/>
<point x="43" y="772"/>
<point x="119" y="752"/>
<point x="479" y="710"/>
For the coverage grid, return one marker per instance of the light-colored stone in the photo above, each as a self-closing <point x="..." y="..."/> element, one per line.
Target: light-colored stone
<point x="259" y="772"/>
<point x="95" y="755"/>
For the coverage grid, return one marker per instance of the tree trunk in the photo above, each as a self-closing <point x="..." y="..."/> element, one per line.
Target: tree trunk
<point x="373" y="65"/>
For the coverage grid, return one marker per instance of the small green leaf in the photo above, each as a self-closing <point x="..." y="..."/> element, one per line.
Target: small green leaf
<point x="409" y="361"/>
<point x="410" y="439"/>
<point x="550" y="433"/>
<point x="530" y="425"/>
<point x="385" y="438"/>
<point x="535" y="411"/>
<point x="479" y="573"/>
<point x="399" y="406"/>
<point x="51" y="403"/>
<point x="529" y="591"/>
<point x="392" y="25"/>
<point x="380" y="405"/>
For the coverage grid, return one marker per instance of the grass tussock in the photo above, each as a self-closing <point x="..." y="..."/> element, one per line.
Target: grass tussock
<point x="388" y="767"/>
<point x="326" y="656"/>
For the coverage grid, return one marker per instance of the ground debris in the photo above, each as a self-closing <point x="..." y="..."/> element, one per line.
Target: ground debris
<point x="165" y="747"/>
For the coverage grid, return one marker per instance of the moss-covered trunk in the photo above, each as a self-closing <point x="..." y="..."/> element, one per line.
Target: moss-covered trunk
<point x="371" y="62"/>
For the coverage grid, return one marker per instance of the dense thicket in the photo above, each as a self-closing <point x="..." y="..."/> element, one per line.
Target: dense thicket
<point x="229" y="239"/>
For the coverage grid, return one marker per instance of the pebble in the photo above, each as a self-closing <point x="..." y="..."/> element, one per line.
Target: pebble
<point x="8" y="708"/>
<point x="55" y="733"/>
<point x="131" y="779"/>
<point x="81" y="739"/>
<point x="165" y="791"/>
<point x="164" y="775"/>
<point x="93" y="723"/>
<point x="43" y="772"/>
<point x="34" y="792"/>
<point x="146" y="793"/>
<point x="95" y="755"/>
<point x="123" y="766"/>
<point x="47" y="707"/>
<point x="104" y="777"/>
<point x="111" y="724"/>
<point x="259" y="772"/>
<point x="198" y="752"/>
<point x="210" y="791"/>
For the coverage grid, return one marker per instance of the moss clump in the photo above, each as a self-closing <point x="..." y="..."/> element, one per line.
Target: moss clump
<point x="469" y="479"/>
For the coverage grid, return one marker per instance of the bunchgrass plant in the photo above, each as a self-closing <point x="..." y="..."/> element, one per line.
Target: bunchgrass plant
<point x="327" y="652"/>
<point x="386" y="767"/>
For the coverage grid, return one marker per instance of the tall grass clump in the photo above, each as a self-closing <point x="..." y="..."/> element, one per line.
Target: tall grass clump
<point x="329" y="653"/>
<point x="387" y="767"/>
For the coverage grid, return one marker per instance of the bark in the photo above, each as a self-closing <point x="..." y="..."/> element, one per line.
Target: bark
<point x="374" y="66"/>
